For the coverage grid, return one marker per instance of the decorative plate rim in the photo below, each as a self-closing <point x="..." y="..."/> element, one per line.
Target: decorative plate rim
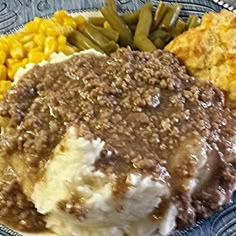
<point x="5" y="230"/>
<point x="225" y="5"/>
<point x="220" y="3"/>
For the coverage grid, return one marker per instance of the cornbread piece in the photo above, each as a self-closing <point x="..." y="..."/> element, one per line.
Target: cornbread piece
<point x="127" y="144"/>
<point x="208" y="51"/>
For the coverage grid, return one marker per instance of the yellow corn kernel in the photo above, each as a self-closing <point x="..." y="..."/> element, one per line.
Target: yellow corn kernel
<point x="3" y="38"/>
<point x="54" y="31"/>
<point x="67" y="30"/>
<point x="11" y="61"/>
<point x="80" y="20"/>
<point x="16" y="49"/>
<point x="36" y="57"/>
<point x="25" y="38"/>
<point x="17" y="52"/>
<point x="59" y="15"/>
<point x="50" y="45"/>
<point x="54" y="20"/>
<point x="10" y="74"/>
<point x="106" y="25"/>
<point x="3" y="56"/>
<point x="19" y="35"/>
<point x="1" y="96"/>
<point x="4" y="43"/>
<point x="39" y="39"/>
<point x="49" y="27"/>
<point x="57" y="20"/>
<point x="13" y="69"/>
<point x="61" y="39"/>
<point x="36" y="49"/>
<point x="11" y="39"/>
<point x="25" y="62"/>
<point x="3" y="72"/>
<point x="66" y="49"/>
<point x="4" y="86"/>
<point x="69" y="21"/>
<point x="41" y="31"/>
<point x="3" y="46"/>
<point x="33" y="26"/>
<point x="28" y="46"/>
<point x="44" y="25"/>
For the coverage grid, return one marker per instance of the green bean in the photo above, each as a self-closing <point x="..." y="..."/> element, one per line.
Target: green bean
<point x="98" y="38"/>
<point x="159" y="43"/>
<point x="79" y="40"/>
<point x="109" y="33"/>
<point x="171" y="16"/>
<point x="118" y="24"/>
<point x="141" y="40"/>
<point x="98" y="21"/>
<point x="159" y="14"/>
<point x="144" y="44"/>
<point x="165" y="36"/>
<point x="173" y="32"/>
<point x="112" y="4"/>
<point x="90" y="31"/>
<point x="110" y="47"/>
<point x="167" y="16"/>
<point x="180" y="26"/>
<point x="131" y="18"/>
<point x="145" y="20"/>
<point x="133" y="27"/>
<point x="192" y="21"/>
<point x="175" y="17"/>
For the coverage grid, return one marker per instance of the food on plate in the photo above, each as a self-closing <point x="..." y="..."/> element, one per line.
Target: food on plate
<point x="118" y="24"/>
<point x="34" y="43"/>
<point x="140" y="29"/>
<point x="121" y="145"/>
<point x="65" y="33"/>
<point x="208" y="51"/>
<point x="96" y="20"/>
<point x="90" y="36"/>
<point x="111" y="4"/>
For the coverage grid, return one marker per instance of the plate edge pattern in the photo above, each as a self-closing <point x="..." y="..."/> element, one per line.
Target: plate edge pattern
<point x="7" y="231"/>
<point x="225" y="5"/>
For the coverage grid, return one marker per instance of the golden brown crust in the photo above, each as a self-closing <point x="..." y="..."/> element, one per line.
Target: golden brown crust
<point x="209" y="51"/>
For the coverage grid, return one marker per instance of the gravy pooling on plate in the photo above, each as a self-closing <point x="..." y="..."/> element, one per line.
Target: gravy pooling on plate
<point x="140" y="125"/>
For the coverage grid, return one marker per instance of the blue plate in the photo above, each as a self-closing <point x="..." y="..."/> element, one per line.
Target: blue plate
<point x="15" y="13"/>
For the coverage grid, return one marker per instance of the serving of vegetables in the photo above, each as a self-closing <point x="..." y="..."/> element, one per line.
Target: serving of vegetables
<point x="142" y="29"/>
<point x="35" y="42"/>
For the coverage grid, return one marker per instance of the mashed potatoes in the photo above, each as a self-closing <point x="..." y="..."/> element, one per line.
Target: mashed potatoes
<point x="105" y="146"/>
<point x="71" y="174"/>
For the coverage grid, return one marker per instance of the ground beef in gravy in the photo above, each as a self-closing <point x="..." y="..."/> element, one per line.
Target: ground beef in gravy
<point x="146" y="109"/>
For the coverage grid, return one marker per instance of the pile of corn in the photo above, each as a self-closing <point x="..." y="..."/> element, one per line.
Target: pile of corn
<point x="34" y="43"/>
